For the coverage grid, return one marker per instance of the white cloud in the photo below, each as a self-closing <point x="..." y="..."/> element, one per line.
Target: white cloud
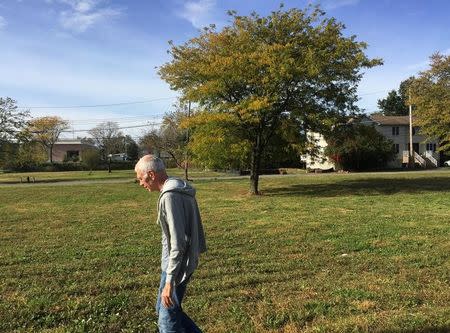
<point x="418" y="66"/>
<point x="198" y="13"/>
<point x="80" y="21"/>
<point x="83" y="6"/>
<point x="3" y="22"/>
<point x="334" y="4"/>
<point x="83" y="14"/>
<point x="425" y="63"/>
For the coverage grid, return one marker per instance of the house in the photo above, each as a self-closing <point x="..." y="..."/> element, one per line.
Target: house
<point x="69" y="150"/>
<point x="394" y="128"/>
<point x="318" y="161"/>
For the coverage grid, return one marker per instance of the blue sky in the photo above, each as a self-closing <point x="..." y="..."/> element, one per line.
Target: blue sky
<point x="89" y="52"/>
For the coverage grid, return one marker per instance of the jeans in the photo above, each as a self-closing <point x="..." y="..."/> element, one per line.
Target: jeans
<point x="173" y="319"/>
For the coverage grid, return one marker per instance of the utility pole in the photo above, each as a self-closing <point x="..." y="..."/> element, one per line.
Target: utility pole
<point x="186" y="155"/>
<point x="411" y="147"/>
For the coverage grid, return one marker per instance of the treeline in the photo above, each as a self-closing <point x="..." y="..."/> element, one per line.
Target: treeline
<point x="28" y="143"/>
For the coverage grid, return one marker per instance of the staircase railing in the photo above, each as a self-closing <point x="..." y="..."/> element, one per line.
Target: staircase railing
<point x="419" y="159"/>
<point x="430" y="157"/>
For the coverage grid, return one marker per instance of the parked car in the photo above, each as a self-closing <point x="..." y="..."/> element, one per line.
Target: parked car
<point x="447" y="163"/>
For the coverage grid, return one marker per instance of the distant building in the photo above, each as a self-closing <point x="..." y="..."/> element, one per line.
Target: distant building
<point x="394" y="128"/>
<point x="69" y="150"/>
<point x="318" y="161"/>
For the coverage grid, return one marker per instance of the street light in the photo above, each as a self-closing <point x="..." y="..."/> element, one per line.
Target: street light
<point x="109" y="163"/>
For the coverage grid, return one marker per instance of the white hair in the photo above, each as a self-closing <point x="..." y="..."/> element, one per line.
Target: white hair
<point x="149" y="163"/>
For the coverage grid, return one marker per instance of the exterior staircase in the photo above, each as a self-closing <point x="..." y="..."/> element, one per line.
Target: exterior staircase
<point x="429" y="160"/>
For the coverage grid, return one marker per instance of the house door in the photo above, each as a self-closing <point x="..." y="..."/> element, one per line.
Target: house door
<point x="416" y="147"/>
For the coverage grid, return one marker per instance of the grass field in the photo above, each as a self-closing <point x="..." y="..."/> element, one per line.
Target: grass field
<point x="314" y="253"/>
<point x="15" y="177"/>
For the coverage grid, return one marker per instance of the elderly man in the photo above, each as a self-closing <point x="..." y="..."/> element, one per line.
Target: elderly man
<point x="182" y="241"/>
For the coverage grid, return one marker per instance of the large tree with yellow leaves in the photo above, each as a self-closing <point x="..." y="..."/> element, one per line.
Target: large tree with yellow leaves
<point x="46" y="131"/>
<point x="430" y="95"/>
<point x="293" y="68"/>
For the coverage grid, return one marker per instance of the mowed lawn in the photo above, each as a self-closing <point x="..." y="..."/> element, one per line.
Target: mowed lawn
<point x="18" y="177"/>
<point x="314" y="253"/>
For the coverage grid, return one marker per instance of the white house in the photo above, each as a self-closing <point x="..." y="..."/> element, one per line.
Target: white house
<point x="394" y="128"/>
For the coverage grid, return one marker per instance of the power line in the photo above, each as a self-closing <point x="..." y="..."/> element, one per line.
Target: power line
<point x="135" y="102"/>
<point x="118" y="119"/>
<point x="97" y="105"/>
<point x="123" y="127"/>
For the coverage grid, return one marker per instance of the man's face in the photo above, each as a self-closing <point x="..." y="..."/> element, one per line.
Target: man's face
<point x="146" y="180"/>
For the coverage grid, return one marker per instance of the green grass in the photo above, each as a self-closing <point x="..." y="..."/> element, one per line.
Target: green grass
<point x="95" y="175"/>
<point x="314" y="253"/>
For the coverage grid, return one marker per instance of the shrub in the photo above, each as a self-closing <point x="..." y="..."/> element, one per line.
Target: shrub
<point x="358" y="147"/>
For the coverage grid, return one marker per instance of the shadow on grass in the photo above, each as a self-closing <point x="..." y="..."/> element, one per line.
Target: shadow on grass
<point x="371" y="186"/>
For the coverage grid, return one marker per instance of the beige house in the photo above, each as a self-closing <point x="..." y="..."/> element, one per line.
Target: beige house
<point x="394" y="128"/>
<point x="71" y="150"/>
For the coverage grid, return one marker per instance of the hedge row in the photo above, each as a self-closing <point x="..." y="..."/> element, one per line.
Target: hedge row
<point x="68" y="166"/>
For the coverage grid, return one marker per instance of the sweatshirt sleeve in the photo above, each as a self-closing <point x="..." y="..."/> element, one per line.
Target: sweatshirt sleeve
<point x="174" y="215"/>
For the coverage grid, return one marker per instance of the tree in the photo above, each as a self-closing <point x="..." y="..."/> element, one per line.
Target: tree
<point x="12" y="123"/>
<point x="396" y="103"/>
<point x="46" y="131"/>
<point x="430" y="94"/>
<point x="393" y="105"/>
<point x="12" y="120"/>
<point x="91" y="158"/>
<point x="107" y="137"/>
<point x="358" y="147"/>
<point x="131" y="148"/>
<point x="29" y="154"/>
<point x="217" y="146"/>
<point x="292" y="66"/>
<point x="169" y="138"/>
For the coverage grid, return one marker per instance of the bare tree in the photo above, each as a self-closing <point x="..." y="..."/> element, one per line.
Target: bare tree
<point x="169" y="138"/>
<point x="107" y="137"/>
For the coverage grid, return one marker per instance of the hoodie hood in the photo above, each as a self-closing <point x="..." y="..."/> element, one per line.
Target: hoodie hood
<point x="177" y="185"/>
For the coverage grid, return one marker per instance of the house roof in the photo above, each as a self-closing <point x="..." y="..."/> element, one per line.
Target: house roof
<point x="68" y="142"/>
<point x="76" y="142"/>
<point x="391" y="120"/>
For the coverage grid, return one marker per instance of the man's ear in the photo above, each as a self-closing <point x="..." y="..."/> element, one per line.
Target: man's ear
<point x="152" y="174"/>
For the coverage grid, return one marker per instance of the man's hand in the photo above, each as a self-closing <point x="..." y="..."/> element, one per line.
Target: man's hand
<point x="166" y="296"/>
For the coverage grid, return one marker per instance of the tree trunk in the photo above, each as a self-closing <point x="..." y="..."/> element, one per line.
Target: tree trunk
<point x="254" y="179"/>
<point x="255" y="166"/>
<point x="186" y="168"/>
<point x="50" y="153"/>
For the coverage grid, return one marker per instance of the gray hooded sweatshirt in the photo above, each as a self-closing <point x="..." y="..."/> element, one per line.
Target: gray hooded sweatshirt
<point x="182" y="232"/>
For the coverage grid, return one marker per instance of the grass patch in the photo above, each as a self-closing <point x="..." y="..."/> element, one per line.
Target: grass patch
<point x="15" y="177"/>
<point x="314" y="253"/>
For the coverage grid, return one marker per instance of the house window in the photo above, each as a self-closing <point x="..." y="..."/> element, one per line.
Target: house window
<point x="395" y="130"/>
<point x="431" y="146"/>
<point x="72" y="155"/>
<point x="396" y="148"/>
<point x="414" y="131"/>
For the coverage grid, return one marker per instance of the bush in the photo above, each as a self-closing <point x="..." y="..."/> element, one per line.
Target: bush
<point x="91" y="158"/>
<point x="359" y="147"/>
